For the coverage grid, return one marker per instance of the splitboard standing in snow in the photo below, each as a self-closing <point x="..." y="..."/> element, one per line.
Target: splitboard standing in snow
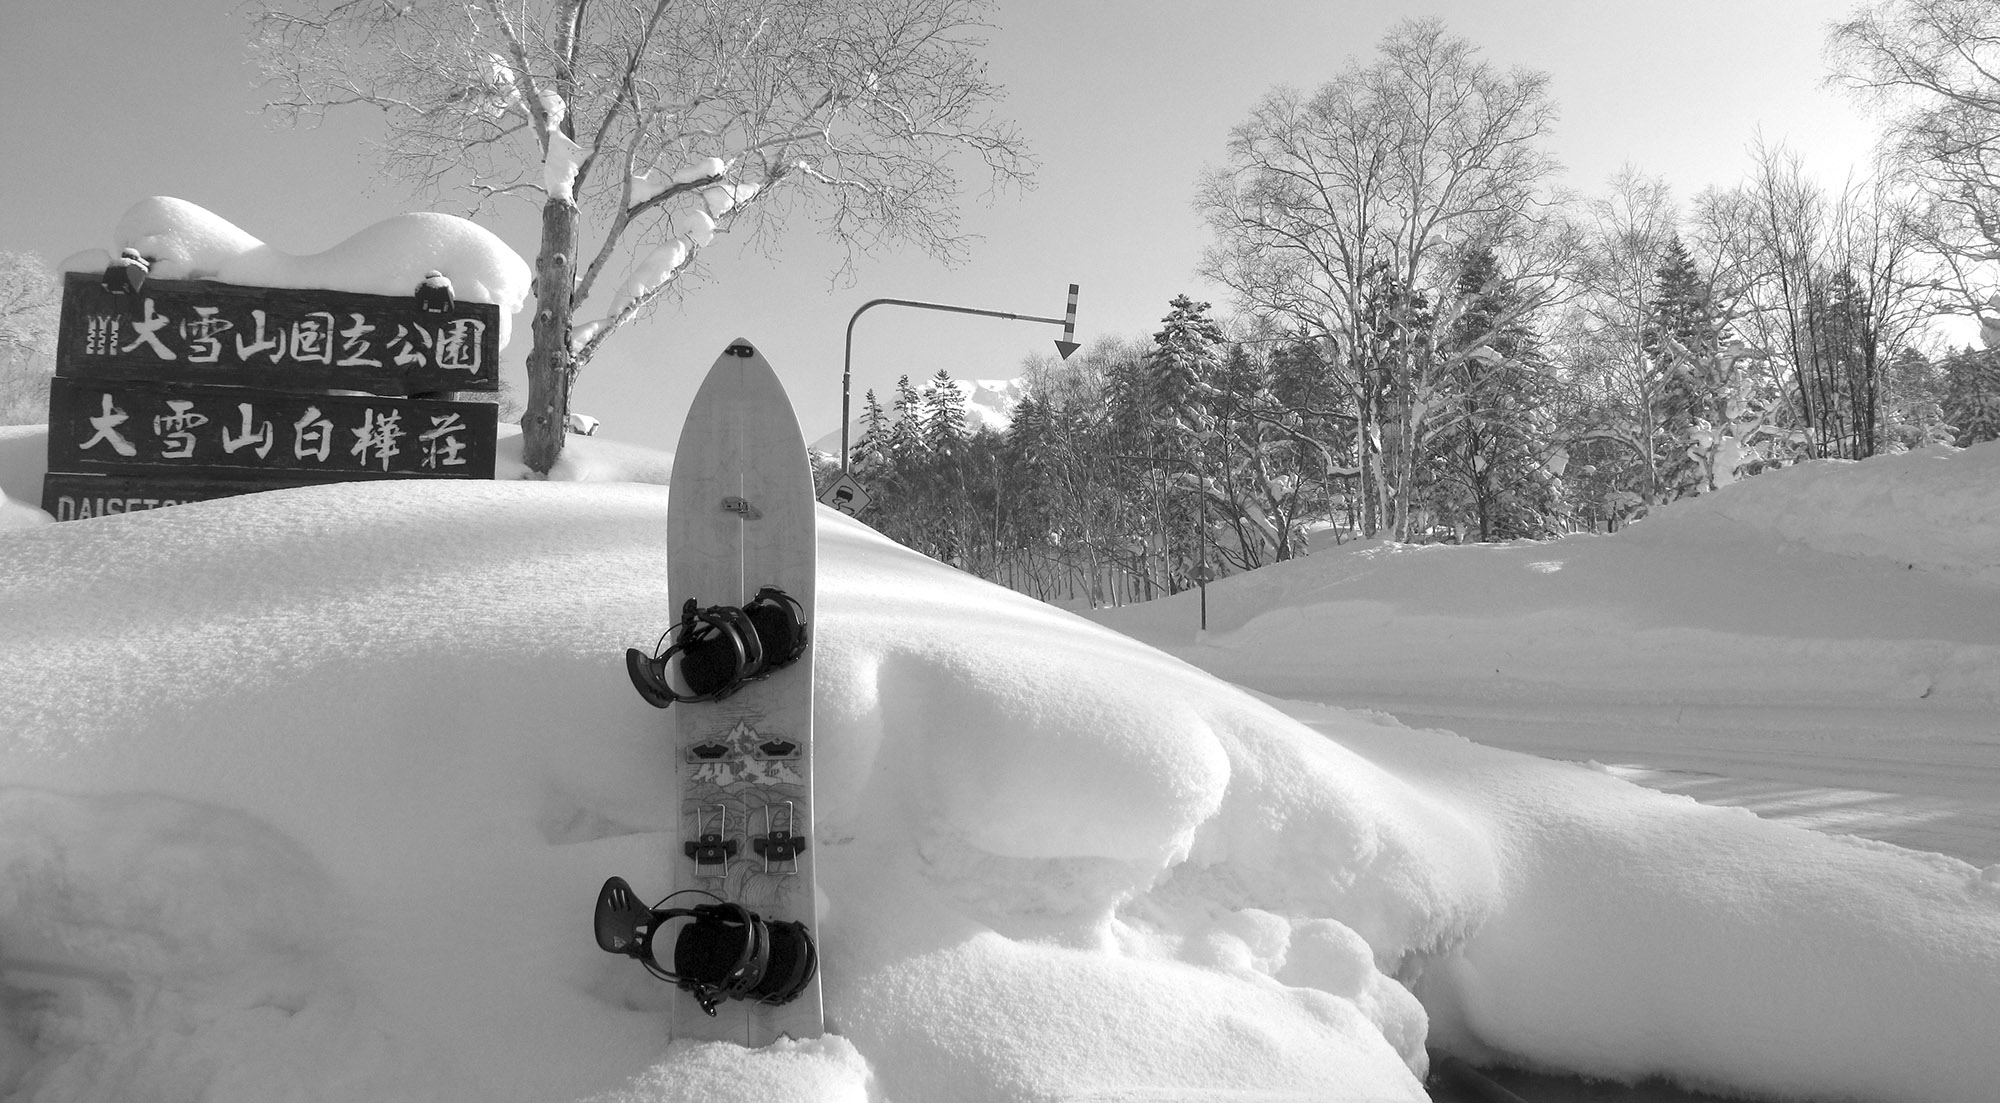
<point x="737" y="933"/>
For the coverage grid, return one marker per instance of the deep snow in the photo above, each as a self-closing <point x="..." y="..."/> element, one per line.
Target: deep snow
<point x="1822" y="643"/>
<point x="184" y="241"/>
<point x="307" y="795"/>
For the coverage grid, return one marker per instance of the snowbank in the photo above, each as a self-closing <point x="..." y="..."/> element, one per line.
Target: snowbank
<point x="413" y="691"/>
<point x="391" y="257"/>
<point x="307" y="795"/>
<point x="1646" y="935"/>
<point x="23" y="460"/>
<point x="1832" y="583"/>
<point x="1937" y="509"/>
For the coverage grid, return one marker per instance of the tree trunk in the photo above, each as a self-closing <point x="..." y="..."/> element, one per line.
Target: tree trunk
<point x="1367" y="438"/>
<point x="551" y="367"/>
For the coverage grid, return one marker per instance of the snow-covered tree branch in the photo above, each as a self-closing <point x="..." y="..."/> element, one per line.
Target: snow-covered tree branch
<point x="644" y="128"/>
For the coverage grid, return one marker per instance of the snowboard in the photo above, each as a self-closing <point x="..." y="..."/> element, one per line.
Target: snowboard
<point x="740" y="518"/>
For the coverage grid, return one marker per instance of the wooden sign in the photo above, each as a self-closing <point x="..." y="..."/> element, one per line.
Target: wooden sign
<point x="183" y="429"/>
<point x="199" y="331"/>
<point x="185" y="390"/>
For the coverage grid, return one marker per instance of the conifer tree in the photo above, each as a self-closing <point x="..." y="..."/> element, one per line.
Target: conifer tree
<point x="1179" y="379"/>
<point x="1972" y="396"/>
<point x="1313" y="411"/>
<point x="1128" y="403"/>
<point x="1263" y="464"/>
<point x="906" y="422"/>
<point x="1031" y="512"/>
<point x="942" y="423"/>
<point x="1681" y="342"/>
<point x="1846" y="375"/>
<point x="939" y="466"/>
<point x="1395" y="364"/>
<point x="1912" y="403"/>
<point x="1181" y="367"/>
<point x="1490" y="450"/>
<point x="871" y="451"/>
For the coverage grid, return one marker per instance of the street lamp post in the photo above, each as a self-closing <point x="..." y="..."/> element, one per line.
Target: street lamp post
<point x="1064" y="346"/>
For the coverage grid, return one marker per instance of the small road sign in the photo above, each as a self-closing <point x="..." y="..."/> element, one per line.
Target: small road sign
<point x="846" y="495"/>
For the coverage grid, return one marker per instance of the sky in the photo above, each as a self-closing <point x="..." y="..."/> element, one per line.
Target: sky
<point x="1124" y="102"/>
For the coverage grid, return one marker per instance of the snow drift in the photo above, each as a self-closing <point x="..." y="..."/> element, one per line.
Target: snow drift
<point x="187" y="242"/>
<point x="1935" y="509"/>
<point x="308" y="794"/>
<point x="1831" y="583"/>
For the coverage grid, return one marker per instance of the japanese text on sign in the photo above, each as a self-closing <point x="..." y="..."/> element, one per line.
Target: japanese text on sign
<point x="199" y="331"/>
<point x="203" y="335"/>
<point x="162" y="426"/>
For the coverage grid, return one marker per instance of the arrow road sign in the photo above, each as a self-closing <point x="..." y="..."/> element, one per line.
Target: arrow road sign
<point x="1065" y="346"/>
<point x="1068" y="343"/>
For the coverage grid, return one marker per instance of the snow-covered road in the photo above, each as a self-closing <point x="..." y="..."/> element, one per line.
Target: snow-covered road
<point x="1923" y="777"/>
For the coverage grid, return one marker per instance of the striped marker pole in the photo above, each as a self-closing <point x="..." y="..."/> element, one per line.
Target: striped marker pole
<point x="1068" y="343"/>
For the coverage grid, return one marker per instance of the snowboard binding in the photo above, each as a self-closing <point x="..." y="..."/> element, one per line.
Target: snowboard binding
<point x="720" y="649"/>
<point x="723" y="951"/>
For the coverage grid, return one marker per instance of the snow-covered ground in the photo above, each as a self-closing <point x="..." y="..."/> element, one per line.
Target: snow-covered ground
<point x="1822" y="644"/>
<point x="307" y="795"/>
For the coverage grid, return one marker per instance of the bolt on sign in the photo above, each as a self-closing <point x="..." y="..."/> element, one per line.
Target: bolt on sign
<point x="183" y="390"/>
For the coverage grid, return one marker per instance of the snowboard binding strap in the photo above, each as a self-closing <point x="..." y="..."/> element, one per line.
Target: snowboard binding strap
<point x="724" y="952"/>
<point x="720" y="648"/>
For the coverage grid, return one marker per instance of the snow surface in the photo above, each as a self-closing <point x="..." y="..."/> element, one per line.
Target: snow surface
<point x="559" y="168"/>
<point x="702" y="168"/>
<point x="564" y="157"/>
<point x="307" y="795"/>
<point x="645" y="185"/>
<point x="723" y="198"/>
<point x="391" y="257"/>
<point x="1932" y="508"/>
<point x="696" y="226"/>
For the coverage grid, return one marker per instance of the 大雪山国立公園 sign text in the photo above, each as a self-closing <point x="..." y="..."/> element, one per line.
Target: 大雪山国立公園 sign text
<point x="200" y="331"/>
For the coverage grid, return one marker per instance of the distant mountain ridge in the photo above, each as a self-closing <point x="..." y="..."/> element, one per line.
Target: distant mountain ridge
<point x="989" y="404"/>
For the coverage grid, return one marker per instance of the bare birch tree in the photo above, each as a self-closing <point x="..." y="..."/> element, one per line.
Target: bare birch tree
<point x="642" y="128"/>
<point x="1836" y="284"/>
<point x="1932" y="67"/>
<point x="1344" y="210"/>
<point x="1627" y="230"/>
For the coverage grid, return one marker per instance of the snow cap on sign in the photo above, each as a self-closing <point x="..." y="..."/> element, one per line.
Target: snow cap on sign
<point x="187" y="242"/>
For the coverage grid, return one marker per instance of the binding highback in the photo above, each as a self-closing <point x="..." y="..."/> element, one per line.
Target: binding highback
<point x="720" y="649"/>
<point x="722" y="951"/>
